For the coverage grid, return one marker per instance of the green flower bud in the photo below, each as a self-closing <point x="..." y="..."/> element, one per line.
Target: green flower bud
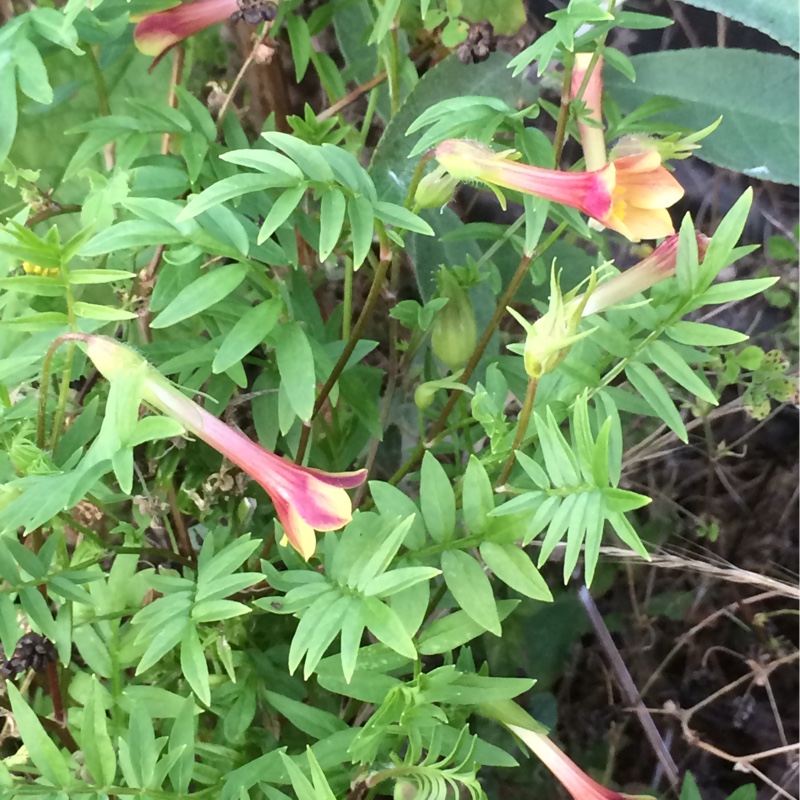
<point x="454" y="331"/>
<point x="550" y="338"/>
<point x="435" y="189"/>
<point x="423" y="395"/>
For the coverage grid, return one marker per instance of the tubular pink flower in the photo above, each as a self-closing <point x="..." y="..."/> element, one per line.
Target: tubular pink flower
<point x="653" y="269"/>
<point x="305" y="499"/>
<point x="534" y="735"/>
<point x="591" y="133"/>
<point x="631" y="194"/>
<point x="570" y="775"/>
<point x="157" y="33"/>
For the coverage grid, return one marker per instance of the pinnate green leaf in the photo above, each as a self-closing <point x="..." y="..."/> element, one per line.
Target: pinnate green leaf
<point x="471" y="589"/>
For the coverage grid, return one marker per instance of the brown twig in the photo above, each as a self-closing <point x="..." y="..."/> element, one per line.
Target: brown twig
<point x="628" y="687"/>
<point x="241" y="73"/>
<point x="175" y="78"/>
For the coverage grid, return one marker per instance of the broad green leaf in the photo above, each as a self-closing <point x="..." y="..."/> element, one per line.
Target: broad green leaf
<point x="300" y="43"/>
<point x="216" y="610"/>
<point x="182" y="738"/>
<point x="201" y="294"/>
<point x="446" y="634"/>
<point x="306" y="155"/>
<point x="296" y="367"/>
<point x="666" y="359"/>
<point x="194" y="666"/>
<point x="31" y="72"/>
<point x="732" y="291"/>
<point x="326" y="630"/>
<point x="265" y="161"/>
<point x="759" y="132"/>
<point x="281" y="210"/>
<point x="229" y="188"/>
<point x="647" y="384"/>
<point x="477" y="496"/>
<point x="8" y="102"/>
<point x="511" y="564"/>
<point x="362" y="221"/>
<point x="309" y="624"/>
<point x="437" y="500"/>
<point x="168" y="637"/>
<point x="776" y="18"/>
<point x="103" y="313"/>
<point x="398" y="580"/>
<point x="352" y="633"/>
<point x="313" y="721"/>
<point x="91" y="276"/>
<point x="471" y="589"/>
<point x="387" y="627"/>
<point x="95" y="740"/>
<point x="701" y="334"/>
<point x="43" y="753"/>
<point x="594" y="519"/>
<point x="131" y="233"/>
<point x="386" y="17"/>
<point x="152" y="428"/>
<point x="379" y="560"/>
<point x="197" y="114"/>
<point x="249" y="331"/>
<point x="33" y="284"/>
<point x="393" y="214"/>
<point x="331" y="219"/>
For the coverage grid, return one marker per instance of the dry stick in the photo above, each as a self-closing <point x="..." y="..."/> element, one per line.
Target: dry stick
<point x="240" y="75"/>
<point x="176" y="76"/>
<point x="53" y="210"/>
<point x="505" y="299"/>
<point x="628" y="687"/>
<point x="374" y="81"/>
<point x="700" y="625"/>
<point x="355" y="335"/>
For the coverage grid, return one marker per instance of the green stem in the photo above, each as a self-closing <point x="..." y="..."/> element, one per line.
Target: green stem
<point x="507" y="296"/>
<point x="416" y="177"/>
<point x="372" y="104"/>
<point x="393" y="72"/>
<point x="63" y="394"/>
<point x="347" y="303"/>
<point x="99" y="81"/>
<point x="352" y="341"/>
<point x="563" y="114"/>
<point x="522" y="427"/>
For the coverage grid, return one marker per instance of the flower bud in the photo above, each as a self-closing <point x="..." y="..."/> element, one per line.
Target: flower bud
<point x="550" y="338"/>
<point x="424" y="394"/>
<point x="435" y="189"/>
<point x="454" y="331"/>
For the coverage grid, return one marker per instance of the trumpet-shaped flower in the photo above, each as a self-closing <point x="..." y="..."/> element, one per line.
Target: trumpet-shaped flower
<point x="305" y="499"/>
<point x="535" y="737"/>
<point x="569" y="774"/>
<point x="157" y="33"/>
<point x="550" y="338"/>
<point x="630" y="194"/>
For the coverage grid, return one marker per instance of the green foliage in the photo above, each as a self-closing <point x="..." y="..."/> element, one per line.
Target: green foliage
<point x="278" y="273"/>
<point x="759" y="117"/>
